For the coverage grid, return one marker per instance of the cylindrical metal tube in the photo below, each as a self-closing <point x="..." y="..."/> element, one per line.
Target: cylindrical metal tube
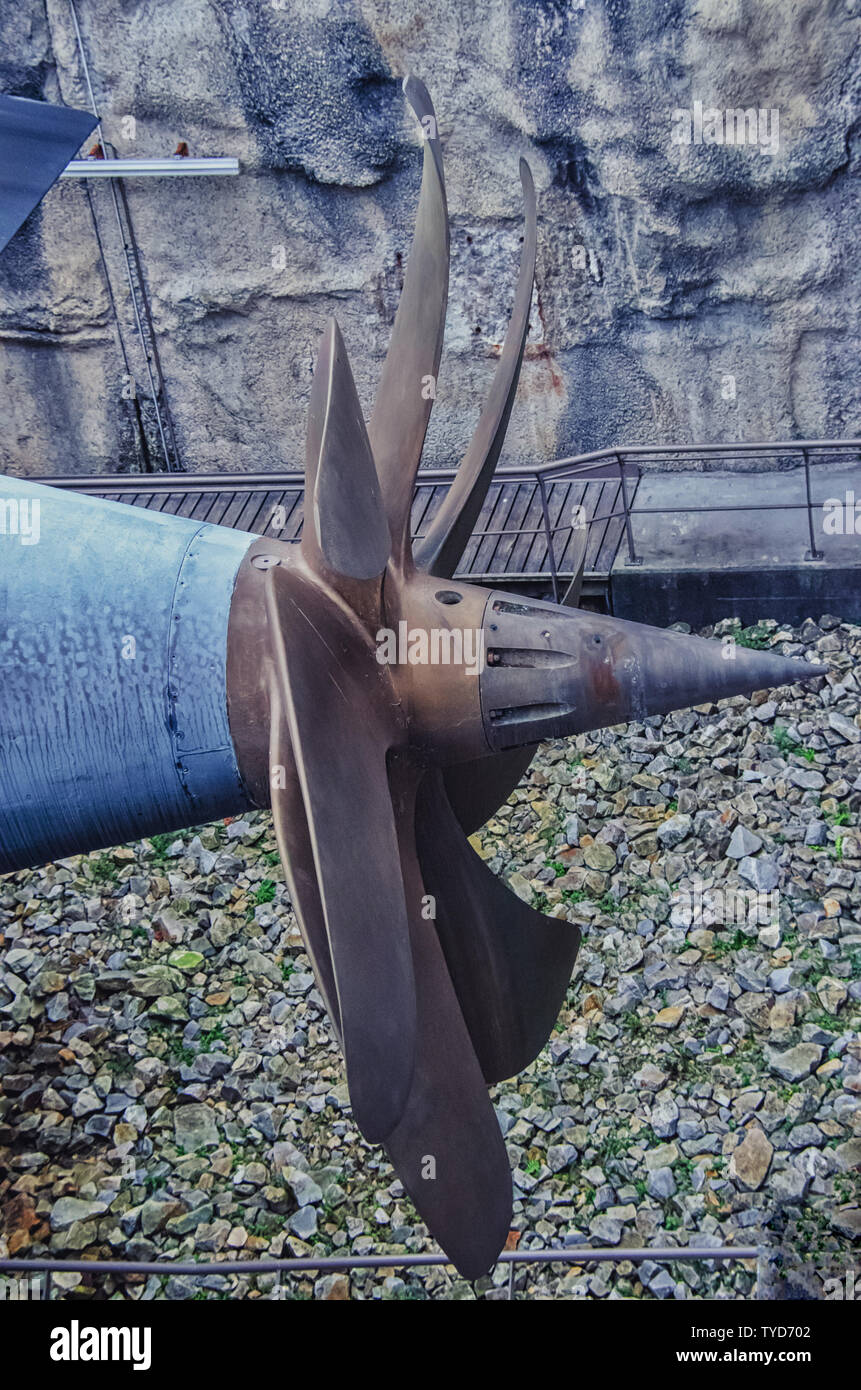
<point x="575" y="1254"/>
<point x="174" y="167"/>
<point x="113" y="701"/>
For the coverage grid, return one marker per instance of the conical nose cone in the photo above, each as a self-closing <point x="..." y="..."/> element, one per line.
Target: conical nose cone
<point x="550" y="673"/>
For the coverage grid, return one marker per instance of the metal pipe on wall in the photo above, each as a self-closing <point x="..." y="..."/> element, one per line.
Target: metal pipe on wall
<point x="173" y="167"/>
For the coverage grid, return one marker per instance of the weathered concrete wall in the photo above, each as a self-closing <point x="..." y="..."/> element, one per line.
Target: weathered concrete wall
<point x="664" y="269"/>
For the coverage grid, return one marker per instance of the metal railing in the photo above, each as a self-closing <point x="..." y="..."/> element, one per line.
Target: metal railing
<point x="575" y="1254"/>
<point x="626" y="464"/>
<point x="785" y="455"/>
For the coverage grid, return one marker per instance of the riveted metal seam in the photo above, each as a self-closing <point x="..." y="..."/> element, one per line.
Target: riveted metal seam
<point x="186" y="605"/>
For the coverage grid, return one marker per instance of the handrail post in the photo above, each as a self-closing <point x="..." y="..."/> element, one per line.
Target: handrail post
<point x="633" y="557"/>
<point x="549" y="534"/>
<point x="812" y="553"/>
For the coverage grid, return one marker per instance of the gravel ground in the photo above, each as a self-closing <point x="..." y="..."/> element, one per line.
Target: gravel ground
<point x="169" y="1083"/>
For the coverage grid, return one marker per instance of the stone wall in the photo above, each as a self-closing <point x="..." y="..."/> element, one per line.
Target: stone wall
<point x="683" y="292"/>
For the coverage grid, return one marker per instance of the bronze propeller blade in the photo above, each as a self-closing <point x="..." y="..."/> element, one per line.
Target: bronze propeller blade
<point x="297" y="855"/>
<point x="342" y="773"/>
<point x="345" y="531"/>
<point x="477" y="789"/>
<point x="452" y="526"/>
<point x="407" y="387"/>
<point x="324" y="669"/>
<point x="447" y="1148"/>
<point x="509" y="964"/>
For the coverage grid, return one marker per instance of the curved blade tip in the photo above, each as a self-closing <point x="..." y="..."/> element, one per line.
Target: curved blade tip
<point x="377" y="1110"/>
<point x="417" y="95"/>
<point x="419" y="99"/>
<point x="527" y="183"/>
<point x="333" y="338"/>
<point x="328" y="343"/>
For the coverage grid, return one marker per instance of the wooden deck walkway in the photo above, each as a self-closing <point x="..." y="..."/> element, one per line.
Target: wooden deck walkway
<point x="510" y="539"/>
